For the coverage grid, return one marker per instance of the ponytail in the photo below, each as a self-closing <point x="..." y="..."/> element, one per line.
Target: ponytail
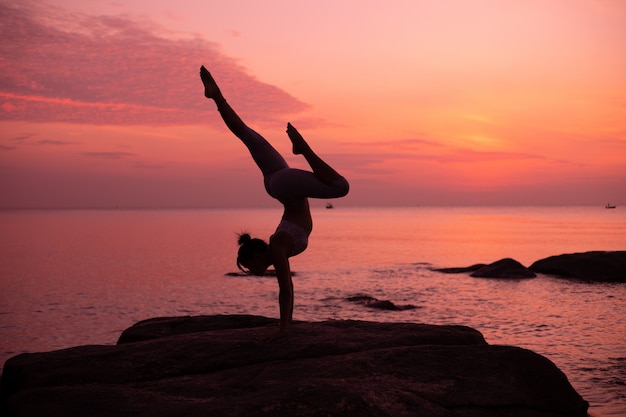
<point x="244" y="238"/>
<point x="248" y="246"/>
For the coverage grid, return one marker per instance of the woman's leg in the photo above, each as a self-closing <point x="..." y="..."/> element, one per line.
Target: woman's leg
<point x="291" y="184"/>
<point x="264" y="154"/>
<point x="288" y="185"/>
<point x="320" y="168"/>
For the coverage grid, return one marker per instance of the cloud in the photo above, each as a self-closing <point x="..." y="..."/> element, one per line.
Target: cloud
<point x="234" y="33"/>
<point x="21" y="138"/>
<point x="431" y="150"/>
<point x="400" y="143"/>
<point x="143" y="165"/>
<point x="61" y="67"/>
<point x="108" y="155"/>
<point x="472" y="156"/>
<point x="55" y="142"/>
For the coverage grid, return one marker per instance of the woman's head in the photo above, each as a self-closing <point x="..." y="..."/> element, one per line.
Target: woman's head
<point x="252" y="254"/>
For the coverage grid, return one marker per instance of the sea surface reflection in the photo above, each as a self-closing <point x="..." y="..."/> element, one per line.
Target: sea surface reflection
<point x="81" y="277"/>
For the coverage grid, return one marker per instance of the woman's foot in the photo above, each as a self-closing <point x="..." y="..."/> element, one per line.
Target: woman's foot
<point x="299" y="144"/>
<point x="211" y="90"/>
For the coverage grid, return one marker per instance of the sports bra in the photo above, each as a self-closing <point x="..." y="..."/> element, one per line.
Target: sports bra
<point x="299" y="236"/>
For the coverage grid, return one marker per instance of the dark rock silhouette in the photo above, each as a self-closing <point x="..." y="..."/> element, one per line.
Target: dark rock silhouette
<point x="590" y="266"/>
<point x="334" y="368"/>
<point x="460" y="270"/>
<point x="504" y="268"/>
<point x="268" y="273"/>
<point x="168" y="326"/>
<point x="372" y="302"/>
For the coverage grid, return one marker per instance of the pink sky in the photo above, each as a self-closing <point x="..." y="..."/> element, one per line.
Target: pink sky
<point x="415" y="102"/>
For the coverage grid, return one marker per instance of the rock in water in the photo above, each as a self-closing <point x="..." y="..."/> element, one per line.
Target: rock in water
<point x="589" y="266"/>
<point x="371" y="302"/>
<point x="460" y="270"/>
<point x="331" y="368"/>
<point x="504" y="268"/>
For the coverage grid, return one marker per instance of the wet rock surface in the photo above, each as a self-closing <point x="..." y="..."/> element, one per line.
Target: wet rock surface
<point x="595" y="266"/>
<point x="504" y="268"/>
<point x="589" y="266"/>
<point x="371" y="302"/>
<point x="220" y="365"/>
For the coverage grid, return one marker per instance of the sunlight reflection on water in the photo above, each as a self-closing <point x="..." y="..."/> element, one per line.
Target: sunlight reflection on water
<point x="81" y="277"/>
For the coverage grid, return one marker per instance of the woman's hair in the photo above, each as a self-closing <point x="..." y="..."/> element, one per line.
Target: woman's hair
<point x="247" y="248"/>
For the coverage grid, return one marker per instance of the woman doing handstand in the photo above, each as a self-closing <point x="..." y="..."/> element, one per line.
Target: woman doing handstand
<point x="291" y="187"/>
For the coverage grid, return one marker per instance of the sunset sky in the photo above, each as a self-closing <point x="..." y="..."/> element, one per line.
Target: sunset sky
<point x="416" y="102"/>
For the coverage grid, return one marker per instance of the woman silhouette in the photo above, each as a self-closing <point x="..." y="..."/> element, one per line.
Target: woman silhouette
<point x="291" y="187"/>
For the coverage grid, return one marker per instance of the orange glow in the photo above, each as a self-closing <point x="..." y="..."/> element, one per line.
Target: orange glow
<point x="451" y="102"/>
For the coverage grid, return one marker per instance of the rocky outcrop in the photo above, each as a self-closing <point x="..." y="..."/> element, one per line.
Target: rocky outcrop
<point x="219" y="366"/>
<point x="461" y="269"/>
<point x="589" y="266"/>
<point x="371" y="302"/>
<point x="504" y="268"/>
<point x="170" y="326"/>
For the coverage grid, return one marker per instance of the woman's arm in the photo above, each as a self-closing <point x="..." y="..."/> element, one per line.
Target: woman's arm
<point x="279" y="245"/>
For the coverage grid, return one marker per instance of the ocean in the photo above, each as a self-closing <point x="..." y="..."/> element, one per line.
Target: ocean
<point x="78" y="277"/>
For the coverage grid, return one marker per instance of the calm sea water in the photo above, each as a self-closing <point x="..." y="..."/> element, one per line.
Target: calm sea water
<point x="80" y="277"/>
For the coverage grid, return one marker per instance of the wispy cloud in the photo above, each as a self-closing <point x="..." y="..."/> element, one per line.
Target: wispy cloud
<point x="112" y="70"/>
<point x="472" y="156"/>
<point x="109" y="155"/>
<point x="431" y="150"/>
<point x="234" y="33"/>
<point x="400" y="143"/>
<point x="21" y="138"/>
<point x="55" y="142"/>
<point x="29" y="139"/>
<point x="143" y="165"/>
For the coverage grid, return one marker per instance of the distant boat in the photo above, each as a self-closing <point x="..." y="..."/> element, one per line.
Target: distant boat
<point x="609" y="206"/>
<point x="329" y="206"/>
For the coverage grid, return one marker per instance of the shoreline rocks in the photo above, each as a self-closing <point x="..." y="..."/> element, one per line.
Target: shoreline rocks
<point x="598" y="266"/>
<point x="371" y="302"/>
<point x="219" y="365"/>
<point x="595" y="266"/>
<point x="504" y="268"/>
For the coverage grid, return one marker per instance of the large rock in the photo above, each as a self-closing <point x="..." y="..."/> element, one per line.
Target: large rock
<point x="371" y="302"/>
<point x="589" y="266"/>
<point x="167" y="326"/>
<point x="504" y="268"/>
<point x="460" y="269"/>
<point x="332" y="368"/>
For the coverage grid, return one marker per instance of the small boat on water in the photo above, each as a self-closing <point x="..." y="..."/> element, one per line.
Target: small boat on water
<point x="610" y="206"/>
<point x="329" y="206"/>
